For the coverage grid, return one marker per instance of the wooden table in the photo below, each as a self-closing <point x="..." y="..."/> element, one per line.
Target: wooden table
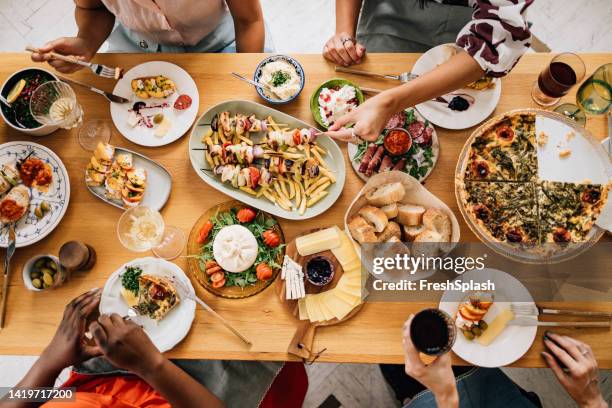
<point x="372" y="336"/>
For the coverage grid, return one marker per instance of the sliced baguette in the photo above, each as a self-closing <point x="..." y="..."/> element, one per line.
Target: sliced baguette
<point x="364" y="234"/>
<point x="386" y="194"/>
<point x="374" y="216"/>
<point x="410" y="233"/>
<point x="437" y="220"/>
<point x="410" y="215"/>
<point x="392" y="229"/>
<point x="390" y="210"/>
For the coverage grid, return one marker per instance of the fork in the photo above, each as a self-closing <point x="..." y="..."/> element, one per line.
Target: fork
<point x="10" y="250"/>
<point x="533" y="310"/>
<point x="184" y="292"/>
<point x="98" y="69"/>
<point x="402" y="77"/>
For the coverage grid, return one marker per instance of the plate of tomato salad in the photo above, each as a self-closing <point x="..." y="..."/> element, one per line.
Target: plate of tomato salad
<point x="207" y="270"/>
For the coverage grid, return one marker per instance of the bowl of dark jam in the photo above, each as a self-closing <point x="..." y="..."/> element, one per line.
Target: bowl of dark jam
<point x="319" y="270"/>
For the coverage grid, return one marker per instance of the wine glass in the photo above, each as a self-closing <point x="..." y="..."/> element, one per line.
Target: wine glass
<point x="594" y="97"/>
<point x="564" y="71"/>
<point x="54" y="103"/>
<point x="142" y="228"/>
<point x="94" y="132"/>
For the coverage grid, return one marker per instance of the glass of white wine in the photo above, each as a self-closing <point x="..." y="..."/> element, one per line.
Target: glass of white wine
<point x="142" y="228"/>
<point x="55" y="103"/>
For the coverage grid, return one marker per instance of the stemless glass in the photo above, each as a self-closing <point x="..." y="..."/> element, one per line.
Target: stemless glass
<point x="93" y="132"/>
<point x="54" y="103"/>
<point x="433" y="332"/>
<point x="564" y="71"/>
<point x="142" y="228"/>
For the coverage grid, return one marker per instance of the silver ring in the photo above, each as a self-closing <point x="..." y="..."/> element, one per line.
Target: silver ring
<point x="355" y="139"/>
<point x="346" y="39"/>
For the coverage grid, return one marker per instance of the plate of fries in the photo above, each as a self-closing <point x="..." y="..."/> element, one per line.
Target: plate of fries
<point x="267" y="159"/>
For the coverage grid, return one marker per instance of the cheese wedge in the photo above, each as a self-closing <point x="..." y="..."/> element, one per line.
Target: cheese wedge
<point x="302" y="309"/>
<point x="314" y="311"/>
<point x="327" y="313"/>
<point x="319" y="241"/>
<point x="495" y="327"/>
<point x="345" y="253"/>
<point x="337" y="306"/>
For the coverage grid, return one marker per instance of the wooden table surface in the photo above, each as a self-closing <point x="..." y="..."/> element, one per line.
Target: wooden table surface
<point x="372" y="336"/>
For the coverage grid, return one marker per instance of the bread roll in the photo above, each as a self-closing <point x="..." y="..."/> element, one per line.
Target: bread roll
<point x="427" y="243"/>
<point x="410" y="233"/>
<point x="437" y="220"/>
<point x="390" y="210"/>
<point x="410" y="215"/>
<point x="386" y="194"/>
<point x="374" y="216"/>
<point x="392" y="229"/>
<point x="429" y="236"/>
<point x="393" y="239"/>
<point x="357" y="221"/>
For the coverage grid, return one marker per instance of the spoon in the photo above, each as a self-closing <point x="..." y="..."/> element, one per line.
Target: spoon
<point x="256" y="84"/>
<point x="5" y="102"/>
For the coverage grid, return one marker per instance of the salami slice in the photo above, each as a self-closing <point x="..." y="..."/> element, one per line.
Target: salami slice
<point x="396" y="120"/>
<point x="425" y="138"/>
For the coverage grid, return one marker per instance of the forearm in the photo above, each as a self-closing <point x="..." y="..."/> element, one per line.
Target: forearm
<point x="43" y="373"/>
<point x="347" y="15"/>
<point x="449" y="400"/>
<point x="250" y="36"/>
<point x="457" y="72"/>
<point x="94" y="24"/>
<point x="179" y="389"/>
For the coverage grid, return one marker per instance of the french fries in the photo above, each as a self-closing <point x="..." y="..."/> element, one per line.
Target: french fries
<point x="298" y="181"/>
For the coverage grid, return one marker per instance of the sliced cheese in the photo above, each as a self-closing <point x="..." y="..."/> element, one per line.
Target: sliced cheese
<point x="314" y="311"/>
<point x="353" y="265"/>
<point x="495" y="327"/>
<point x="354" y="291"/>
<point x="337" y="306"/>
<point x="302" y="309"/>
<point x="345" y="253"/>
<point x="327" y="313"/>
<point x="352" y="298"/>
<point x="319" y="241"/>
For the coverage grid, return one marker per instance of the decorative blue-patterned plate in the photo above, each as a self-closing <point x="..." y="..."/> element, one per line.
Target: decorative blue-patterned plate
<point x="29" y="229"/>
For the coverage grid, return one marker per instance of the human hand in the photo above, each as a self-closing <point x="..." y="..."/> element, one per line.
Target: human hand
<point x="70" y="46"/>
<point x="125" y="344"/>
<point x="581" y="378"/>
<point x="344" y="50"/>
<point x="69" y="347"/>
<point x="369" y="119"/>
<point x="438" y="376"/>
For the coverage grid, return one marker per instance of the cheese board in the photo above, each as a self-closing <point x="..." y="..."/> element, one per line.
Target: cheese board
<point x="325" y="303"/>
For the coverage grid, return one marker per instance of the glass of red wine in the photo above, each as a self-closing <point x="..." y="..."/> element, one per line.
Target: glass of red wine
<point x="433" y="332"/>
<point x="564" y="71"/>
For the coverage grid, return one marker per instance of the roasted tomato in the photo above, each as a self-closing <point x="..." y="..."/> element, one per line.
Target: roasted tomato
<point x="217" y="276"/>
<point x="591" y="196"/>
<point x="297" y="137"/>
<point x="246" y="215"/>
<point x="263" y="271"/>
<point x="212" y="267"/>
<point x="255" y="176"/>
<point x="481" y="211"/>
<point x="204" y="232"/>
<point x="514" y="235"/>
<point x="157" y="292"/>
<point x="561" y="234"/>
<point x="481" y="169"/>
<point x="271" y="238"/>
<point x="219" y="284"/>
<point x="182" y="102"/>
<point x="505" y="133"/>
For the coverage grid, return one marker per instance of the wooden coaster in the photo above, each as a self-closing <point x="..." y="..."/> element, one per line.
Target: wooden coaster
<point x="92" y="259"/>
<point x="74" y="255"/>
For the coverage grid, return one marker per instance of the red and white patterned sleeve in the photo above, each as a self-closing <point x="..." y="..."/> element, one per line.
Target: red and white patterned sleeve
<point x="498" y="35"/>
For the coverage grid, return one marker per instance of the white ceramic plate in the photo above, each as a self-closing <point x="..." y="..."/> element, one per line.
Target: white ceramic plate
<point x="173" y="328"/>
<point x="181" y="119"/>
<point x="514" y="341"/>
<point x="351" y="150"/>
<point x="334" y="159"/>
<point x="30" y="229"/>
<point x="159" y="183"/>
<point x="438" y="113"/>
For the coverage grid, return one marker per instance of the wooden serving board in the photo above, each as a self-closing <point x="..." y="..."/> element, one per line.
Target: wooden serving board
<point x="303" y="338"/>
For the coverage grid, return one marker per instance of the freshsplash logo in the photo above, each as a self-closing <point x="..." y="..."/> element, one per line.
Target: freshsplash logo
<point x="424" y="263"/>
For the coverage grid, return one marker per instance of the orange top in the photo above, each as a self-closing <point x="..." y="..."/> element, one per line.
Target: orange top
<point x="94" y="391"/>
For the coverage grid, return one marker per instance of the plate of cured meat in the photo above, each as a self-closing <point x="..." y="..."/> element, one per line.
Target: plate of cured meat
<point x="408" y="143"/>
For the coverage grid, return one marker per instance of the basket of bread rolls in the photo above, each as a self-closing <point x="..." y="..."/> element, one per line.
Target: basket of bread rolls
<point x="394" y="207"/>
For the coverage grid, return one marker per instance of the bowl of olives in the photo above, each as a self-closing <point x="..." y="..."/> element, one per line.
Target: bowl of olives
<point x="43" y="272"/>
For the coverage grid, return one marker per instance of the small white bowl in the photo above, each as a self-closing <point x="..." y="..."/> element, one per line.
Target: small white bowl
<point x="42" y="130"/>
<point x="27" y="281"/>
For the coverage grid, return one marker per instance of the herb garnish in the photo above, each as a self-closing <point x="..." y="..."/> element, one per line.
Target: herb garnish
<point x="280" y="77"/>
<point x="129" y="278"/>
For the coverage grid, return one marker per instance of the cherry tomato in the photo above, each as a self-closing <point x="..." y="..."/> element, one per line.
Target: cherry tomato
<point x="246" y="215"/>
<point x="217" y="276"/>
<point x="219" y="284"/>
<point x="263" y="271"/>
<point x="204" y="232"/>
<point x="255" y="175"/>
<point x="271" y="238"/>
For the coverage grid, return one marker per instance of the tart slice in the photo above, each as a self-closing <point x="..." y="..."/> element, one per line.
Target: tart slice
<point x="157" y="295"/>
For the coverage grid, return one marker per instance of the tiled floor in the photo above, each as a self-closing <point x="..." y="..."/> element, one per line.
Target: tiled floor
<point x="303" y="26"/>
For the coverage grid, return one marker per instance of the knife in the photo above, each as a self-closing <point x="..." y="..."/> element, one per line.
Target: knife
<point x="109" y="96"/>
<point x="527" y="321"/>
<point x="10" y="250"/>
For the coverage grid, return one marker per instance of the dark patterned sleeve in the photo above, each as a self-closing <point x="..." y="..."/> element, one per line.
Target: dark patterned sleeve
<point x="498" y="34"/>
